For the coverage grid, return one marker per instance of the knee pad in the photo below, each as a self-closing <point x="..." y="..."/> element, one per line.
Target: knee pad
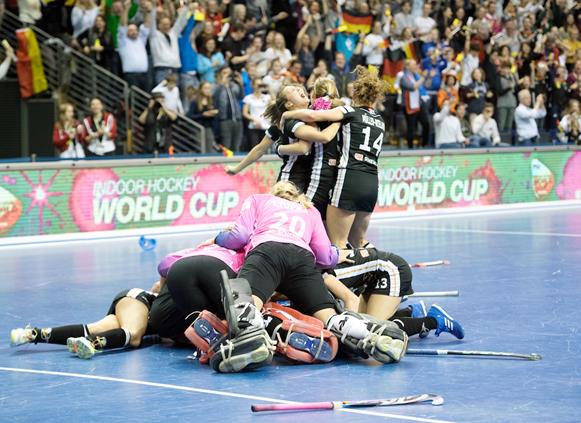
<point x="300" y="337"/>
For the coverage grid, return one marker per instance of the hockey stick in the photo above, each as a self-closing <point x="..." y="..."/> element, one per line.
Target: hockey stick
<point x="430" y="263"/>
<point x="454" y="293"/>
<point x="330" y="405"/>
<point x="531" y="356"/>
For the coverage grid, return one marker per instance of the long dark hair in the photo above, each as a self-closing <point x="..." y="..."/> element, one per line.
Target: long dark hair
<point x="276" y="108"/>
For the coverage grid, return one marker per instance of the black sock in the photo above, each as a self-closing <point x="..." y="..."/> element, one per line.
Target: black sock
<point x="60" y="334"/>
<point x="115" y="338"/>
<point x="403" y="312"/>
<point x="414" y="326"/>
<point x="271" y="324"/>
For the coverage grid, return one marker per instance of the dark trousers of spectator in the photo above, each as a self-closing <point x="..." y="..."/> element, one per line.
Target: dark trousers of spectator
<point x="412" y="125"/>
<point x="254" y="137"/>
<point x="231" y="134"/>
<point x="160" y="73"/>
<point x="477" y="141"/>
<point x="528" y="141"/>
<point x="140" y="80"/>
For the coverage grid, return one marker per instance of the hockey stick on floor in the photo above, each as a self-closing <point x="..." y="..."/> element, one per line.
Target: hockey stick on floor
<point x="454" y="293"/>
<point x="330" y="405"/>
<point x="531" y="356"/>
<point x="430" y="263"/>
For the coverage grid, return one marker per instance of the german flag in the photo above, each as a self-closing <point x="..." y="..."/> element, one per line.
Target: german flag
<point x="412" y="51"/>
<point x="393" y="64"/>
<point x="29" y="65"/>
<point x="357" y="22"/>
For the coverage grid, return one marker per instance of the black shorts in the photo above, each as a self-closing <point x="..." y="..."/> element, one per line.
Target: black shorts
<point x="165" y="319"/>
<point x="320" y="189"/>
<point x="290" y="270"/>
<point x="355" y="191"/>
<point x="297" y="177"/>
<point x="138" y="294"/>
<point x="376" y="272"/>
<point x="194" y="284"/>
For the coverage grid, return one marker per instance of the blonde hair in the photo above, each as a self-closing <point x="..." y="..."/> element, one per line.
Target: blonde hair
<point x="63" y="110"/>
<point x="289" y="191"/>
<point x="327" y="87"/>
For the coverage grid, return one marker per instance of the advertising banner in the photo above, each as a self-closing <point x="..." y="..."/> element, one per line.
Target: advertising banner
<point x="57" y="201"/>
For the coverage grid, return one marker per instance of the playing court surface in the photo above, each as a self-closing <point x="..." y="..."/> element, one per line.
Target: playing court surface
<point x="518" y="274"/>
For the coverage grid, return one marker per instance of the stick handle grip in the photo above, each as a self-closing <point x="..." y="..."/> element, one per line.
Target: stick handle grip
<point x="292" y="407"/>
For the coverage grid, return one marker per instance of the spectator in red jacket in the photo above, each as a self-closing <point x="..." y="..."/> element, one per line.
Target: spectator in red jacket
<point x="67" y="135"/>
<point x="100" y="130"/>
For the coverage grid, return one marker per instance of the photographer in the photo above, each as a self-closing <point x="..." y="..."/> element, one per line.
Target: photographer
<point x="157" y="121"/>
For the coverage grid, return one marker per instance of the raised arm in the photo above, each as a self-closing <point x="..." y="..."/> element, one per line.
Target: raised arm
<point x="272" y="134"/>
<point x="307" y="115"/>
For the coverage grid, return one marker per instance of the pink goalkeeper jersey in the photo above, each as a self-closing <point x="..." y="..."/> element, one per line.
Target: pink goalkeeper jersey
<point x="267" y="218"/>
<point x="233" y="259"/>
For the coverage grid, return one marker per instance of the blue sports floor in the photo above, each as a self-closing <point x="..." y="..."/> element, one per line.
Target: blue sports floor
<point x="519" y="279"/>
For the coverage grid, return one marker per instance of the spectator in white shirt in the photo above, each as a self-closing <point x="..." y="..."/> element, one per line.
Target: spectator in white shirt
<point x="253" y="110"/>
<point x="374" y="45"/>
<point x="470" y="62"/>
<point x="279" y="50"/>
<point x="524" y="117"/>
<point x="404" y="19"/>
<point x="424" y="24"/>
<point x="171" y="93"/>
<point x="29" y="11"/>
<point x="83" y="17"/>
<point x="485" y="129"/>
<point x="163" y="43"/>
<point x="132" y="41"/>
<point x="448" y="130"/>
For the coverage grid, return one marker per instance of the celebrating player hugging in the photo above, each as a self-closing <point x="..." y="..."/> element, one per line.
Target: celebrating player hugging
<point x="344" y="292"/>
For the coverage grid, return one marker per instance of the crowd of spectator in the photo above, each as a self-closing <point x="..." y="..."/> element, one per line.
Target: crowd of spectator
<point x="475" y="73"/>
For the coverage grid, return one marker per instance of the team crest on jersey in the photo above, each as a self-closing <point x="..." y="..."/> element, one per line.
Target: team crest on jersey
<point x="358" y="156"/>
<point x="364" y="253"/>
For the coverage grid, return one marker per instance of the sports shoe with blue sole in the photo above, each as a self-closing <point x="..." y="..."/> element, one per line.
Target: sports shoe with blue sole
<point x="446" y="323"/>
<point x="418" y="310"/>
<point x="205" y="330"/>
<point x="303" y="342"/>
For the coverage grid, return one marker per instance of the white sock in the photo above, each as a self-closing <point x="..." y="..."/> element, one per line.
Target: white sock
<point x="348" y="325"/>
<point x="249" y="313"/>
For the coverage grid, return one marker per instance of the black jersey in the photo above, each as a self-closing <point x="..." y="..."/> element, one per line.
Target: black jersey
<point x="361" y="139"/>
<point x="294" y="167"/>
<point x="375" y="271"/>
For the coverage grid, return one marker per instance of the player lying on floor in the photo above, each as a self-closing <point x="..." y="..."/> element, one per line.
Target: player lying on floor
<point x="124" y="325"/>
<point x="286" y="241"/>
<point x="374" y="281"/>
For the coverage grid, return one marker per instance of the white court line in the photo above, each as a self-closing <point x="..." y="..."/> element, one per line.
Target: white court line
<point x="206" y="391"/>
<point x="481" y="231"/>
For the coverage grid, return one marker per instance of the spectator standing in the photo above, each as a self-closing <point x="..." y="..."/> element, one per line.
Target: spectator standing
<point x="235" y="46"/>
<point x="227" y="96"/>
<point x="83" y="17"/>
<point x="100" y="130"/>
<point x="67" y="134"/>
<point x="506" y="100"/>
<point x="275" y="77"/>
<point x="305" y="47"/>
<point x="29" y="11"/>
<point x="410" y="83"/>
<point x="374" y="45"/>
<point x="525" y="117"/>
<point x="99" y="45"/>
<point x="448" y="130"/>
<point x="188" y="56"/>
<point x="279" y="50"/>
<point x="253" y="110"/>
<point x="132" y="41"/>
<point x="424" y="24"/>
<point x="203" y="111"/>
<point x="209" y="60"/>
<point x="449" y="92"/>
<point x="404" y="19"/>
<point x="164" y="45"/>
<point x="477" y="93"/>
<point x="470" y="61"/>
<point x="258" y="58"/>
